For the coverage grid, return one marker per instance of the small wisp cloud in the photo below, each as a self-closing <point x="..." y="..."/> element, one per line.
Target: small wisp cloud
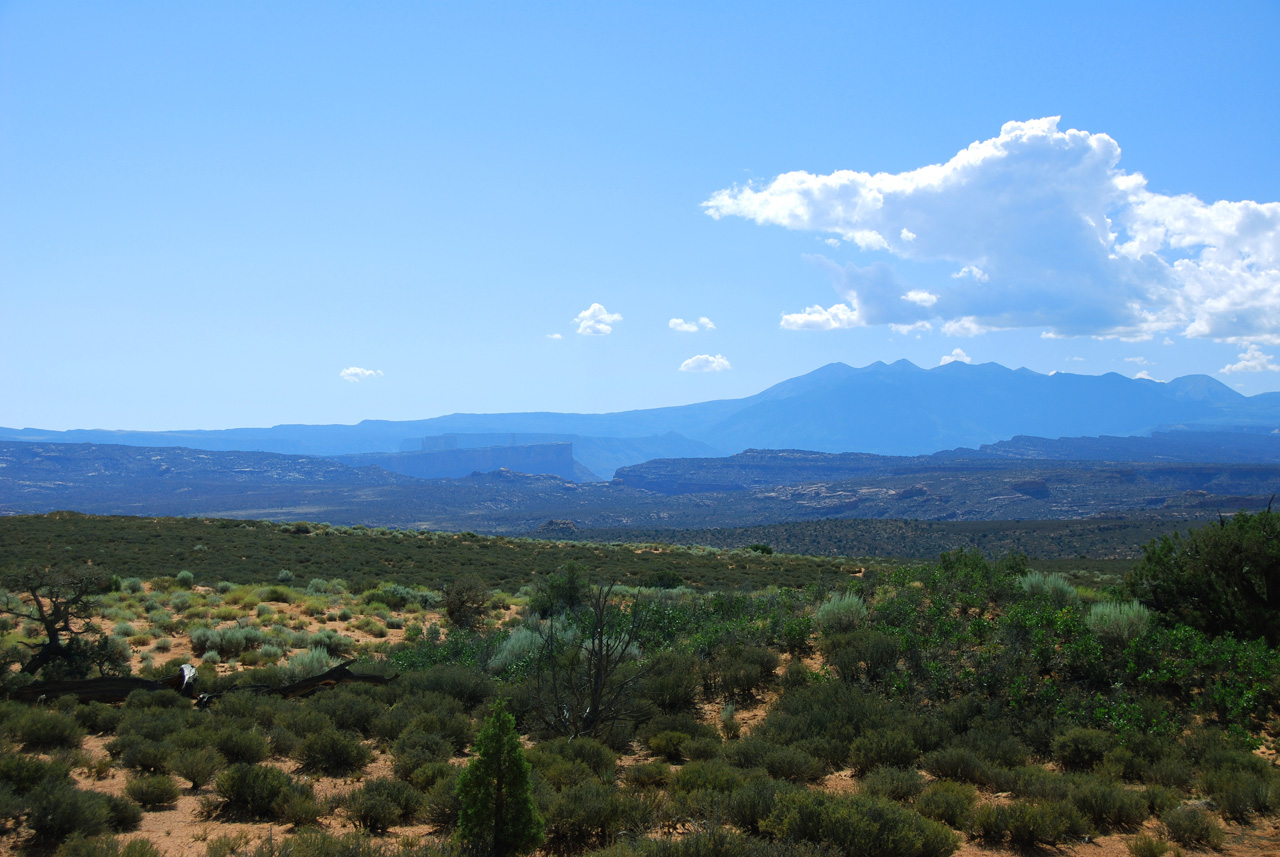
<point x="705" y="363"/>
<point x="679" y="324"/>
<point x="355" y="374"/>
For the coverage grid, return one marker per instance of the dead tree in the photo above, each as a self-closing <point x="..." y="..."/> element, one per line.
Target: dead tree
<point x="106" y="689"/>
<point x="590" y="666"/>
<point x="62" y="601"/>
<point x="341" y="674"/>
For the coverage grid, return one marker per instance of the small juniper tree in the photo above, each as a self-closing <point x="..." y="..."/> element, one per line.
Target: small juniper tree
<point x="498" y="816"/>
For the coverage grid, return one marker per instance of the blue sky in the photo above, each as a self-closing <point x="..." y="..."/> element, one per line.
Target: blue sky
<point x="241" y="214"/>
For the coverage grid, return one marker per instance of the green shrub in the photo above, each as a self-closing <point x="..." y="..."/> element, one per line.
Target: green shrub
<point x="1143" y="845"/>
<point x="381" y="803"/>
<point x="713" y="776"/>
<point x="1080" y="749"/>
<point x="1053" y="587"/>
<point x="1193" y="826"/>
<point x="333" y="753"/>
<point x="1117" y="623"/>
<point x="185" y="579"/>
<point x="754" y="801"/>
<point x="858" y="825"/>
<point x="585" y="815"/>
<point x="1108" y="806"/>
<point x="648" y="775"/>
<point x="247" y="746"/>
<point x="415" y="748"/>
<point x="123" y="814"/>
<point x="793" y="764"/>
<point x="41" y="729"/>
<point x="668" y="745"/>
<point x="57" y="810"/>
<point x="152" y="790"/>
<point x="900" y="784"/>
<point x="256" y="791"/>
<point x="947" y="802"/>
<point x="889" y="747"/>
<point x="198" y="766"/>
<point x="1048" y="823"/>
<point x="107" y="846"/>
<point x="841" y="613"/>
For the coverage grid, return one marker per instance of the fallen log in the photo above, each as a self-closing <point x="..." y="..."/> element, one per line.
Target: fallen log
<point x="341" y="674"/>
<point x="106" y="689"/>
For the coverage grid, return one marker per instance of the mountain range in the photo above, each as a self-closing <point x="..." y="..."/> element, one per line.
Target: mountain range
<point x="883" y="409"/>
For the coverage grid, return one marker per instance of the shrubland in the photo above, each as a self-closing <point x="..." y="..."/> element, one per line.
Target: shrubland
<point x="839" y="708"/>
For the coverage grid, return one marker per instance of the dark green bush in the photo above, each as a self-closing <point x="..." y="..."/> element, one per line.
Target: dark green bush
<point x="714" y="776"/>
<point x="1080" y="749"/>
<point x="57" y="810"/>
<point x="415" y="748"/>
<point x="956" y="763"/>
<point x="242" y="746"/>
<point x="858" y="825"/>
<point x="256" y="791"/>
<point x="23" y="773"/>
<point x="351" y="712"/>
<point x="648" y="775"/>
<point x="123" y="814"/>
<point x="381" y="803"/>
<point x="442" y="805"/>
<point x="97" y="718"/>
<point x="198" y="766"/>
<point x="598" y="758"/>
<point x="947" y="802"/>
<point x="696" y="749"/>
<point x="107" y="846"/>
<point x="333" y="753"/>
<point x="672" y="685"/>
<point x="793" y="764"/>
<point x="425" y="777"/>
<point x="41" y="730"/>
<point x="1107" y="805"/>
<point x="1193" y="826"/>
<point x="584" y="815"/>
<point x="900" y="784"/>
<point x="1043" y="824"/>
<point x="142" y="754"/>
<point x="753" y="802"/>
<point x="152" y="790"/>
<point x="888" y="747"/>
<point x="669" y="745"/>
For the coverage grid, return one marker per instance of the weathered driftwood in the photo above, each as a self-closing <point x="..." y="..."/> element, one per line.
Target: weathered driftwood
<point x="104" y="689"/>
<point x="341" y="674"/>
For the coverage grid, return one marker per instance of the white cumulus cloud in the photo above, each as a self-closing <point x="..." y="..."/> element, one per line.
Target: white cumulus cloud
<point x="1053" y="235"/>
<point x="355" y="374"/>
<point x="817" y="318"/>
<point x="1252" y="360"/>
<point x="917" y="328"/>
<point x="595" y="320"/>
<point x="966" y="326"/>
<point x="921" y="297"/>
<point x="705" y="363"/>
<point x="554" y="336"/>
<point x="706" y="323"/>
<point x="957" y="355"/>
